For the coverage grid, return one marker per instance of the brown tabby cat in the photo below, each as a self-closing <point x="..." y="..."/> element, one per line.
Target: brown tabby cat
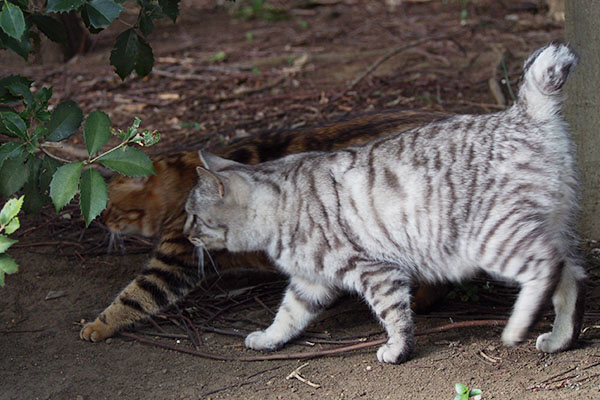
<point x="154" y="207"/>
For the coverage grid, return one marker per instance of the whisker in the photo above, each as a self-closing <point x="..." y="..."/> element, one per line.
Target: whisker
<point x="213" y="263"/>
<point x="199" y="253"/>
<point x="115" y="241"/>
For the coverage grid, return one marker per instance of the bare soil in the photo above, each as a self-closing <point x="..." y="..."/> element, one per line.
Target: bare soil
<point x="277" y="74"/>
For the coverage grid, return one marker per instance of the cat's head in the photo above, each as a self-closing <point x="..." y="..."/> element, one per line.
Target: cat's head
<point x="213" y="205"/>
<point x="133" y="207"/>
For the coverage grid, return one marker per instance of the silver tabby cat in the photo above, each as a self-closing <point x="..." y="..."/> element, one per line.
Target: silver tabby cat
<point x="496" y="192"/>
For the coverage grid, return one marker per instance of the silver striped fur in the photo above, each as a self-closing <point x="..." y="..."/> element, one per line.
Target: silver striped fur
<point x="495" y="192"/>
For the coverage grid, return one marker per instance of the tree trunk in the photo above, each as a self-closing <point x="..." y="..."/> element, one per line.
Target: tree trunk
<point x="582" y="108"/>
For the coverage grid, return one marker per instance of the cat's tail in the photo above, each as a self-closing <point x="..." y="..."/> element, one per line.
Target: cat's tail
<point x="544" y="74"/>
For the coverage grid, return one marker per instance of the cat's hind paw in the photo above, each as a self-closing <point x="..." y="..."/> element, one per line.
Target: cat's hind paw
<point x="261" y="341"/>
<point x="96" y="331"/>
<point x="394" y="353"/>
<point x="513" y="337"/>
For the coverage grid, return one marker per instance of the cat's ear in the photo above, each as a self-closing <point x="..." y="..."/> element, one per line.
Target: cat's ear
<point x="214" y="163"/>
<point x="210" y="181"/>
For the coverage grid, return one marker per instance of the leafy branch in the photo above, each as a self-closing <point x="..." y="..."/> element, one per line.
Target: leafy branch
<point x="25" y="165"/>
<point x="9" y="223"/>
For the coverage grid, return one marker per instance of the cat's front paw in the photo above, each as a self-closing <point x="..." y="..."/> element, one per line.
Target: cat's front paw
<point x="393" y="353"/>
<point x="551" y="343"/>
<point x="96" y="331"/>
<point x="260" y="340"/>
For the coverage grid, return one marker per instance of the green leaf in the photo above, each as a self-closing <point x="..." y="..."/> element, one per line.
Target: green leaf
<point x="145" y="59"/>
<point x="131" y="51"/>
<point x="49" y="167"/>
<point x="13" y="175"/>
<point x="170" y="8"/>
<point x="12" y="21"/>
<point x="60" y="6"/>
<point x="10" y="210"/>
<point x="129" y="161"/>
<point x="10" y="150"/>
<point x="65" y="121"/>
<point x="124" y="54"/>
<point x="12" y="226"/>
<point x="102" y="13"/>
<point x="19" y="89"/>
<point x="461" y="388"/>
<point x="96" y="131"/>
<point x="5" y="95"/>
<point x="14" y="124"/>
<point x="475" y="392"/>
<point x="92" y="197"/>
<point x="7" y="266"/>
<point x="53" y="29"/>
<point x="43" y="95"/>
<point x="35" y="198"/>
<point x="146" y="24"/>
<point x="64" y="184"/>
<point x="21" y="47"/>
<point x="5" y="243"/>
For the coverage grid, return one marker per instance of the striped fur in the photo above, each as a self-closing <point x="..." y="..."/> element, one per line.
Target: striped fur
<point x="440" y="202"/>
<point x="154" y="207"/>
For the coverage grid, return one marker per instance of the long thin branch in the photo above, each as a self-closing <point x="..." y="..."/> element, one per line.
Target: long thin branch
<point x="383" y="59"/>
<point x="305" y="355"/>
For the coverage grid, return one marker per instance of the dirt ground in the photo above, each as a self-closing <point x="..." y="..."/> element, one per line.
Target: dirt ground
<point x="302" y="70"/>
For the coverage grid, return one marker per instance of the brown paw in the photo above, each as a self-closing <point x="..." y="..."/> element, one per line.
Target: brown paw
<point x="96" y="331"/>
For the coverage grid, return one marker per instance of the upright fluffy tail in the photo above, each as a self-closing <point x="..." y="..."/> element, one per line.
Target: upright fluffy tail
<point x="544" y="74"/>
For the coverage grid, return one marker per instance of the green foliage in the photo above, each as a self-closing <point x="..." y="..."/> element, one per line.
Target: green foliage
<point x="220" y="56"/>
<point x="12" y="20"/>
<point x="93" y="196"/>
<point x="131" y="52"/>
<point x="463" y="392"/>
<point x="20" y="22"/>
<point x="96" y="131"/>
<point x="9" y="223"/>
<point x="102" y="13"/>
<point x="27" y="165"/>
<point x="64" y="121"/>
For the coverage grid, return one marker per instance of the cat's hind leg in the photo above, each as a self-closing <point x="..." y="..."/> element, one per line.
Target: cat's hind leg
<point x="538" y="278"/>
<point x="302" y="302"/>
<point x="568" y="301"/>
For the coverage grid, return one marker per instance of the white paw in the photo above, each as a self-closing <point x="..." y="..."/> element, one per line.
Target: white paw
<point x="512" y="337"/>
<point x="393" y="353"/>
<point x="549" y="343"/>
<point x="260" y="340"/>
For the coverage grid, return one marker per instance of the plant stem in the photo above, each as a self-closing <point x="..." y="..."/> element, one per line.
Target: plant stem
<point x="125" y="143"/>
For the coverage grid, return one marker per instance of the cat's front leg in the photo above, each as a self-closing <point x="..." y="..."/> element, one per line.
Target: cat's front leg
<point x="388" y="294"/>
<point x="302" y="302"/>
<point x="165" y="280"/>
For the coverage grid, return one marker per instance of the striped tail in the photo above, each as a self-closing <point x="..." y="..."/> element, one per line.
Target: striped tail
<point x="544" y="74"/>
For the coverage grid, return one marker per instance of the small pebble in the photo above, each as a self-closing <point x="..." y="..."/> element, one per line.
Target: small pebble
<point x="369" y="368"/>
<point x="108" y="341"/>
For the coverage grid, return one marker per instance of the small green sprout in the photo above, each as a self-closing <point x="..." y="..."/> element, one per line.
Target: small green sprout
<point x="220" y="56"/>
<point x="465" y="394"/>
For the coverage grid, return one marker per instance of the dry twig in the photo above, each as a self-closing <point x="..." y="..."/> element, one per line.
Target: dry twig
<point x="295" y="374"/>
